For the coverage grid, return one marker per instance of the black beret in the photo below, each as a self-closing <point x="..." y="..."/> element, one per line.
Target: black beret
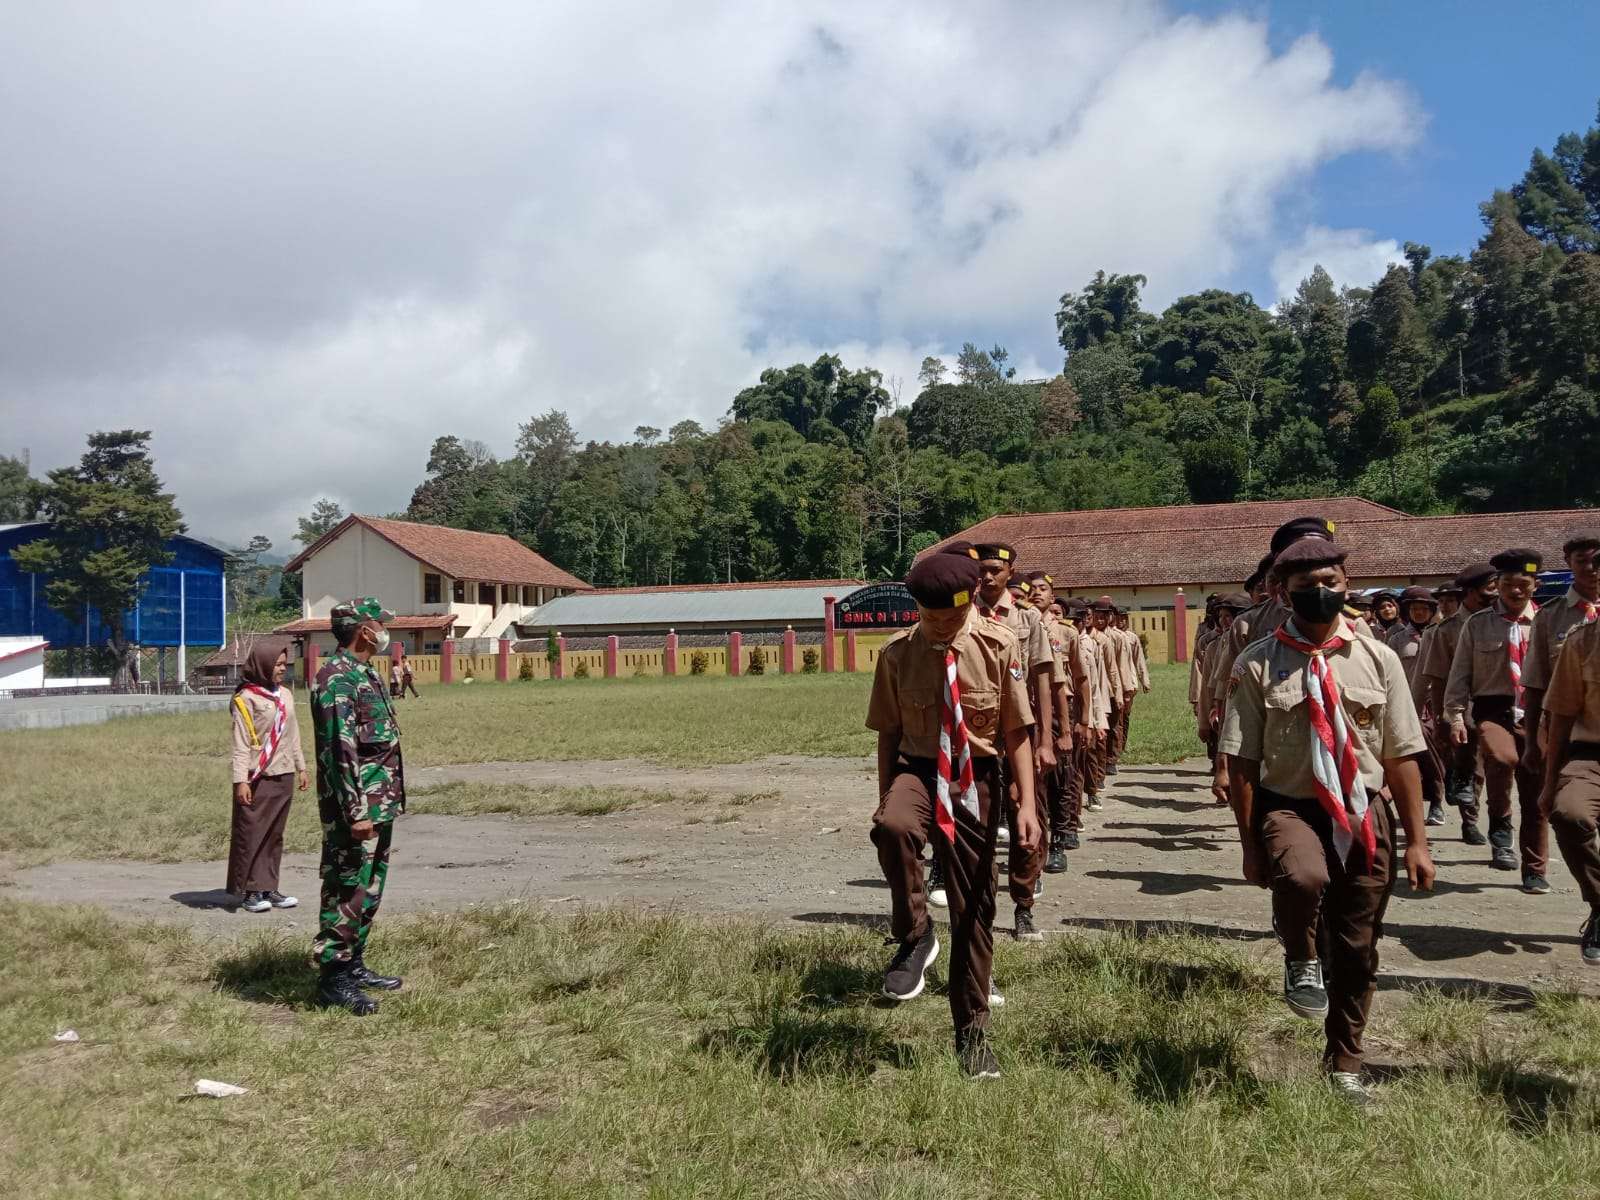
<point x="1518" y="560"/>
<point x="1078" y="606"/>
<point x="1301" y="527"/>
<point x="1584" y="542"/>
<point x="1382" y="594"/>
<point x="943" y="581"/>
<point x="1237" y="601"/>
<point x="1104" y="605"/>
<point x="1476" y="575"/>
<point x="1020" y="586"/>
<point x="1417" y="595"/>
<point x="1308" y="554"/>
<point x="1252" y="580"/>
<point x="1041" y="577"/>
<point x="1003" y="551"/>
<point x="960" y="550"/>
<point x="1362" y="602"/>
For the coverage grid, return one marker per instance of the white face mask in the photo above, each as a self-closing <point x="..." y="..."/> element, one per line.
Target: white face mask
<point x="381" y="641"/>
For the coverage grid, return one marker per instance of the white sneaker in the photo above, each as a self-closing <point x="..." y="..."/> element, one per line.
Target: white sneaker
<point x="256" y="902"/>
<point x="937" y="896"/>
<point x="996" y="1000"/>
<point x="1092" y="803"/>
<point x="1002" y="836"/>
<point x="279" y="900"/>
<point x="1348" y="1087"/>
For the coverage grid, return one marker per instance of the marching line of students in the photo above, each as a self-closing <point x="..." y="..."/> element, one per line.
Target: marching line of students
<point x="1340" y="729"/>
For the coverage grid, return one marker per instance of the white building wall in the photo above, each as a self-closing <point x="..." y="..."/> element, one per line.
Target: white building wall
<point x="360" y="563"/>
<point x="23" y="666"/>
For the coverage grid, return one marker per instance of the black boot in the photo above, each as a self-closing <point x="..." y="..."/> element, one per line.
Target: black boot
<point x="1057" y="860"/>
<point x="338" y="989"/>
<point x="371" y="979"/>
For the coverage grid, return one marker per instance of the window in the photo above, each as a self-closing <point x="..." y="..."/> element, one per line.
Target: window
<point x="527" y="597"/>
<point x="431" y="647"/>
<point x="458" y="592"/>
<point x="432" y="588"/>
<point x="486" y="594"/>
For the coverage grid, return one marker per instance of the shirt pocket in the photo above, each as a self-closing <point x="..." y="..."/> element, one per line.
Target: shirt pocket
<point x="981" y="708"/>
<point x="1287" y="732"/>
<point x="373" y="727"/>
<point x="919" y="711"/>
<point x="1365" y="710"/>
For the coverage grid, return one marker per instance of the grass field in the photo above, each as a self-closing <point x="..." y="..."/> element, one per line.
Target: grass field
<point x="611" y="1055"/>
<point x="156" y="788"/>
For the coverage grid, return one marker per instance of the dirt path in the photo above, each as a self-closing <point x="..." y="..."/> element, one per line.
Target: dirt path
<point x="1159" y="852"/>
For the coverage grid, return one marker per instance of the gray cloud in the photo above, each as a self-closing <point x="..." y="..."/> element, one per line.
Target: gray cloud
<point x="345" y="229"/>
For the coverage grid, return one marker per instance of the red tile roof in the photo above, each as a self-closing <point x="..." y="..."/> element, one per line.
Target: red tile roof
<point x="1221" y="543"/>
<point x="458" y="553"/>
<point x="419" y="621"/>
<point x="732" y="587"/>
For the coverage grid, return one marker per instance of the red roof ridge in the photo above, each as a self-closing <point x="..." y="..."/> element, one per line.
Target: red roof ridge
<point x="746" y="586"/>
<point x="1078" y="512"/>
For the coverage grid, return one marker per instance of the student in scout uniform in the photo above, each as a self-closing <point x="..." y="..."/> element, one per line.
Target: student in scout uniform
<point x="1553" y="623"/>
<point x="360" y="790"/>
<point x="1485" y="684"/>
<point x="1363" y="607"/>
<point x="1477" y="585"/>
<point x="1570" y="797"/>
<point x="1318" y="724"/>
<point x="1066" y="803"/>
<point x="950" y="695"/>
<point x="1418" y="613"/>
<point x="994" y="602"/>
<point x="1204" y="633"/>
<point x="1110" y="670"/>
<point x="1227" y="608"/>
<point x="1385" y="611"/>
<point x="1137" y="670"/>
<point x="267" y="764"/>
<point x="1090" y="773"/>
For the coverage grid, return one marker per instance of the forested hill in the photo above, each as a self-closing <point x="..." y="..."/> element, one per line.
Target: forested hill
<point x="1451" y="383"/>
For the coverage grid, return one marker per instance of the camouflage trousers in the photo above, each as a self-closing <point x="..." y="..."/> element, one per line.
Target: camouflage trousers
<point x="353" y="873"/>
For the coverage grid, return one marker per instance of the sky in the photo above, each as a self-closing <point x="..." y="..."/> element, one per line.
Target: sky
<point x="299" y="241"/>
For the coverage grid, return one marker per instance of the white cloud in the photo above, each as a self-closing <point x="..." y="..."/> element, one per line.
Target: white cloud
<point x="447" y="220"/>
<point x="1353" y="257"/>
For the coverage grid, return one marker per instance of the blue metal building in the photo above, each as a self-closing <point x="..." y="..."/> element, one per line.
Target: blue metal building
<point x="183" y="604"/>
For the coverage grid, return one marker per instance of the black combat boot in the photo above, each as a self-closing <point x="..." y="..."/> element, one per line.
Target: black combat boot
<point x="1057" y="860"/>
<point x="338" y="989"/>
<point x="371" y="979"/>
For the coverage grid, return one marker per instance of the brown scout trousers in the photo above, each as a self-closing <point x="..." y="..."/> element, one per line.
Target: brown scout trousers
<point x="1127" y="724"/>
<point x="1575" y="817"/>
<point x="1501" y="739"/>
<point x="1113" y="748"/>
<point x="1329" y="910"/>
<point x="1433" y="758"/>
<point x="901" y="827"/>
<point x="1060" y="785"/>
<point x="255" y="846"/>
<point x="1094" y="764"/>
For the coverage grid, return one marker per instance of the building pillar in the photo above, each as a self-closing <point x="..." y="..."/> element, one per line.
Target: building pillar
<point x="850" y="651"/>
<point x="669" y="657"/>
<point x="736" y="654"/>
<point x="787" y="665"/>
<point x="502" y="662"/>
<point x="1180" y="632"/>
<point x="613" y="644"/>
<point x="310" y="657"/>
<point x="447" y="661"/>
<point x="828" y="665"/>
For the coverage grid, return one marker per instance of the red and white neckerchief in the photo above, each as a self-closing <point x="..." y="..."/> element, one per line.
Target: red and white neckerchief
<point x="1516" y="650"/>
<point x="1334" y="764"/>
<point x="955" y="782"/>
<point x="1587" y="607"/>
<point x="269" y="744"/>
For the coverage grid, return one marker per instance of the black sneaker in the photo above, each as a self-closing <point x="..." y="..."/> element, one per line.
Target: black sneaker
<point x="1472" y="835"/>
<point x="279" y="900"/>
<point x="1092" y="803"/>
<point x="367" y="978"/>
<point x="338" y="989"/>
<point x="1589" y="939"/>
<point x="256" y="902"/>
<point x="1500" y="835"/>
<point x="976" y="1059"/>
<point x="1022" y="926"/>
<point x="1038" y="887"/>
<point x="1303" y="989"/>
<point x="1535" y="885"/>
<point x="937" y="896"/>
<point x="1056" y="861"/>
<point x="1071" y="840"/>
<point x="908" y="972"/>
<point x="1502" y="858"/>
<point x="1435" y="814"/>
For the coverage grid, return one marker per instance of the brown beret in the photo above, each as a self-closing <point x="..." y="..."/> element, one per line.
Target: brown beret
<point x="943" y="580"/>
<point x="960" y="549"/>
<point x="1307" y="555"/>
<point x="1003" y="551"/>
<point x="1447" y="589"/>
<point x="1237" y="601"/>
<point x="1518" y="560"/>
<point x="1476" y="575"/>
<point x="1417" y="595"/>
<point x="1291" y="532"/>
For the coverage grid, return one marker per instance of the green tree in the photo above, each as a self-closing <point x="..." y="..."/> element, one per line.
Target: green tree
<point x="976" y="368"/>
<point x="1106" y="310"/>
<point x="820" y="401"/>
<point x="17" y="488"/>
<point x="1558" y="197"/>
<point x="1106" y="378"/>
<point x="931" y="372"/>
<point x="325" y="514"/>
<point x="1377" y="427"/>
<point x="109" y="524"/>
<point x="1576" y="292"/>
<point x="546" y="446"/>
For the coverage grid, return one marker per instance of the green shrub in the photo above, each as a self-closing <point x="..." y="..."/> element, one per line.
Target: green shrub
<point x="810" y="661"/>
<point x="758" y="662"/>
<point x="581" y="671"/>
<point x="698" y="662"/>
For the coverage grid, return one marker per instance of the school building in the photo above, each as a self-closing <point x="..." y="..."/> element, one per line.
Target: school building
<point x="691" y="610"/>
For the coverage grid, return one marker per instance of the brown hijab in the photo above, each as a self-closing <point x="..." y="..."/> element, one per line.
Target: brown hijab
<point x="259" y="661"/>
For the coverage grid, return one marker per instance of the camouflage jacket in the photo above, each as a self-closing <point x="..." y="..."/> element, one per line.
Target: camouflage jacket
<point x="360" y="776"/>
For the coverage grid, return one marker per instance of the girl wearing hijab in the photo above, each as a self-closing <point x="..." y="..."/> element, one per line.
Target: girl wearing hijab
<point x="267" y="762"/>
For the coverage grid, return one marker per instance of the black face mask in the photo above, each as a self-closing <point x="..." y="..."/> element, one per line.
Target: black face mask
<point x="1318" y="605"/>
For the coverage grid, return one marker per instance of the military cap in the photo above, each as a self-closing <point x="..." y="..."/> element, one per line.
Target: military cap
<point x="1301" y="527"/>
<point x="1003" y="551"/>
<point x="1476" y="575"/>
<point x="1518" y="560"/>
<point x="961" y="550"/>
<point x="1587" y="541"/>
<point x="1237" y="601"/>
<point x="943" y="581"/>
<point x="1308" y="554"/>
<point x="1447" y="589"/>
<point x="348" y="614"/>
<point x="1417" y="595"/>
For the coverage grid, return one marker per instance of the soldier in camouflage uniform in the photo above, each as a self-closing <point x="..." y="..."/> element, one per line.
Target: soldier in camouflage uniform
<point x="360" y="789"/>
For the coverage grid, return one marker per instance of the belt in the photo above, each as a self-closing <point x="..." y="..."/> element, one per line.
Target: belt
<point x="1583" y="752"/>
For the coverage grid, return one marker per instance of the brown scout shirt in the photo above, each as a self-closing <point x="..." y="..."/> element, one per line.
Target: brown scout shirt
<point x="1406" y="641"/>
<point x="908" y="688"/>
<point x="1551" y="628"/>
<point x="1574" y="689"/>
<point x="1024" y="621"/>
<point x="1482" y="663"/>
<point x="1108" y="663"/>
<point x="1197" y="662"/>
<point x="1268" y="719"/>
<point x="246" y="751"/>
